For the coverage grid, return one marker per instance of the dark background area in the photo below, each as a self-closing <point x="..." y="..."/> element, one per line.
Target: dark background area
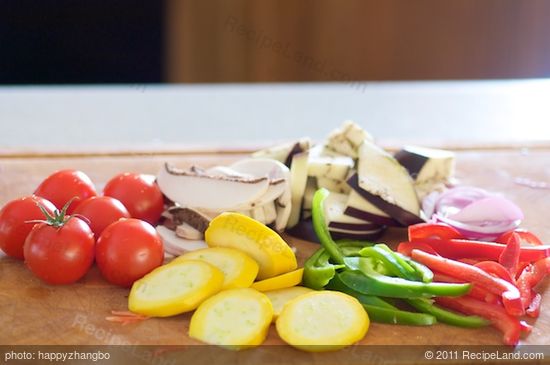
<point x="81" y="41"/>
<point x="197" y="41"/>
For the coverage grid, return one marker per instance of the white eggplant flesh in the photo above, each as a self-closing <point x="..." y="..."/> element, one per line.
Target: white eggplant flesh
<point x="380" y="174"/>
<point x="337" y="186"/>
<point x="336" y="168"/>
<point x="298" y="181"/>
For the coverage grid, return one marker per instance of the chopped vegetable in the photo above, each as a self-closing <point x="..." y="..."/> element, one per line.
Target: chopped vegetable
<point x="320" y="226"/>
<point x="286" y="280"/>
<point x="322" y="321"/>
<point x="381" y="311"/>
<point x="459" y="248"/>
<point x="474" y="212"/>
<point x="509" y="258"/>
<point x="445" y="316"/>
<point x="264" y="245"/>
<point x="280" y="297"/>
<point x="318" y="271"/>
<point x="235" y="319"/>
<point x="175" y="288"/>
<point x="373" y="283"/>
<point x="510" y="294"/>
<point x="506" y="323"/>
<point x="239" y="270"/>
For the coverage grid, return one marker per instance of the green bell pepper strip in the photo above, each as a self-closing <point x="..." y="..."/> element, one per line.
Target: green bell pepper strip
<point x="364" y="263"/>
<point x="389" y="261"/>
<point x="318" y="271"/>
<point x="445" y="316"/>
<point x="424" y="273"/>
<point x="371" y="282"/>
<point x="365" y="299"/>
<point x="380" y="310"/>
<point x="391" y="316"/>
<point x="404" y="263"/>
<point x="320" y="226"/>
<point x="351" y="248"/>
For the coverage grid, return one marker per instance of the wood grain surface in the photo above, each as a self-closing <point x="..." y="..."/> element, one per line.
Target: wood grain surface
<point x="34" y="313"/>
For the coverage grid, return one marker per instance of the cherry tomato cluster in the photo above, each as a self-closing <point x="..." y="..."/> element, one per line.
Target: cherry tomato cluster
<point x="65" y="225"/>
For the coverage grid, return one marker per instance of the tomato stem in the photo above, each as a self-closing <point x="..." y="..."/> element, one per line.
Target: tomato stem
<point x="59" y="217"/>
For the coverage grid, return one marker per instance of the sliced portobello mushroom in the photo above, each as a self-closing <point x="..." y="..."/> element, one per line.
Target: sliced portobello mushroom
<point x="192" y="217"/>
<point x="215" y="193"/>
<point x="175" y="245"/>
<point x="277" y="173"/>
<point x="184" y="230"/>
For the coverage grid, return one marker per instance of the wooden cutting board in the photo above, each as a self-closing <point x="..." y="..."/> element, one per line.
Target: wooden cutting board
<point x="34" y="313"/>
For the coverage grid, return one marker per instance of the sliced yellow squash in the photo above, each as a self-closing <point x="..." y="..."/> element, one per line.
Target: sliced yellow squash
<point x="238" y="268"/>
<point x="286" y="280"/>
<point x="280" y="297"/>
<point x="175" y="288"/>
<point x="264" y="245"/>
<point x="322" y="321"/>
<point x="235" y="319"/>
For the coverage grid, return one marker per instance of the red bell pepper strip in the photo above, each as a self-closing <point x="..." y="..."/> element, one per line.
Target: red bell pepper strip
<point x="458" y="249"/>
<point x="534" y="307"/>
<point x="405" y="248"/>
<point x="529" y="278"/>
<point x="432" y="230"/>
<point x="521" y="267"/>
<point x="524" y="236"/>
<point x="507" y="324"/>
<point x="525" y="327"/>
<point x="470" y="261"/>
<point x="475" y="292"/>
<point x="495" y="269"/>
<point x="510" y="294"/>
<point x="509" y="258"/>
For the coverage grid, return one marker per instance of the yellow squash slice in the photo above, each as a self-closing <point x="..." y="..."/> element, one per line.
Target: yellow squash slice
<point x="286" y="280"/>
<point x="280" y="297"/>
<point x="264" y="245"/>
<point x="238" y="268"/>
<point x="234" y="319"/>
<point x="175" y="288"/>
<point x="322" y="321"/>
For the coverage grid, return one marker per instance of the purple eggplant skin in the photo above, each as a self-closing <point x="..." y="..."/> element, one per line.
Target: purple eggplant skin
<point x="371" y="217"/>
<point x="402" y="216"/>
<point x="367" y="226"/>
<point x="304" y="230"/>
<point x="411" y="161"/>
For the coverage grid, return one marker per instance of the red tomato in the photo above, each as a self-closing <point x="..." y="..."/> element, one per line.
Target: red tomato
<point x="60" y="255"/>
<point x="13" y="227"/>
<point x="62" y="186"/>
<point x="127" y="250"/>
<point x="101" y="211"/>
<point x="139" y="193"/>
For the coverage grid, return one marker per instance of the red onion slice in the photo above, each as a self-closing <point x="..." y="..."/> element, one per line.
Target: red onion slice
<point x="476" y="213"/>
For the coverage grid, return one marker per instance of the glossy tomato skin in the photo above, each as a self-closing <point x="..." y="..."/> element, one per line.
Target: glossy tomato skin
<point x="13" y="227"/>
<point x="101" y="211"/>
<point x="139" y="193"/>
<point x="127" y="250"/>
<point x="62" y="186"/>
<point x="60" y="255"/>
